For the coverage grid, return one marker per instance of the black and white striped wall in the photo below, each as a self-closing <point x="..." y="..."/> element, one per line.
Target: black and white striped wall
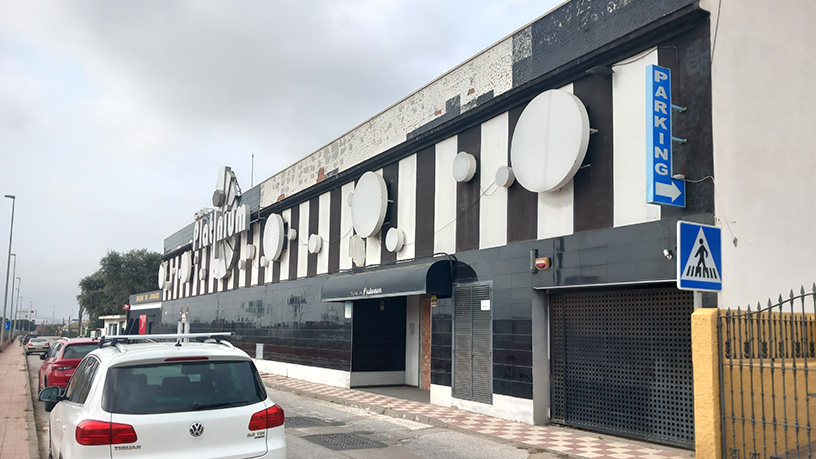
<point x="438" y="214"/>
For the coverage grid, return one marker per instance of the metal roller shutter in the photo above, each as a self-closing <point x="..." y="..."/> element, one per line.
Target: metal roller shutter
<point x="621" y="363"/>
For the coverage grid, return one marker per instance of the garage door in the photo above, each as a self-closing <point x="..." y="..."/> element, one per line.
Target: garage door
<point x="621" y="363"/>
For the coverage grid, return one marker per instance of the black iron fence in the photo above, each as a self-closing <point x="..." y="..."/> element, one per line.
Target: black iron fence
<point x="767" y="357"/>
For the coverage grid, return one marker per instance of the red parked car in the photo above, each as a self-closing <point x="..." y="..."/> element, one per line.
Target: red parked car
<point x="62" y="359"/>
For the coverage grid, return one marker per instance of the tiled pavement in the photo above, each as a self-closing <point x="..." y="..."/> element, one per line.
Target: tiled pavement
<point x="557" y="439"/>
<point x="18" y="438"/>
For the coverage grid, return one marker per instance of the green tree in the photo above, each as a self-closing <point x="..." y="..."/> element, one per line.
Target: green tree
<point x="119" y="276"/>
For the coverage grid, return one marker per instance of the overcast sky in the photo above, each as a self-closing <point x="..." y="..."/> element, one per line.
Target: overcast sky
<point x="115" y="116"/>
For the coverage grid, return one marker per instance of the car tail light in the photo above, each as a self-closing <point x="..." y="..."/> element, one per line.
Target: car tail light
<point x="267" y="419"/>
<point x="90" y="432"/>
<point x="69" y="367"/>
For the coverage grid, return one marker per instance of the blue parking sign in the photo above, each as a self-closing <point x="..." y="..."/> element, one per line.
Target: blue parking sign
<point x="699" y="260"/>
<point x="661" y="187"/>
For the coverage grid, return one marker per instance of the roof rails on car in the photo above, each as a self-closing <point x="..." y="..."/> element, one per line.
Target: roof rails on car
<point x="116" y="340"/>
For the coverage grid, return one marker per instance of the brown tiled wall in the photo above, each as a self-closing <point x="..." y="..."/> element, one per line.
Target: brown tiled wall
<point x="425" y="365"/>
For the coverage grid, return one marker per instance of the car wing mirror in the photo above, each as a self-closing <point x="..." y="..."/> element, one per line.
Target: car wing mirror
<point x="51" y="394"/>
<point x="42" y="356"/>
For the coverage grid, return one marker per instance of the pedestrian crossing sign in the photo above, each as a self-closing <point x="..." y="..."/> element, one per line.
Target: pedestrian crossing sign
<point x="699" y="261"/>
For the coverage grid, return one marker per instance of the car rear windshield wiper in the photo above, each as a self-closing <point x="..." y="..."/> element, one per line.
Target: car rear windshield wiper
<point x="207" y="406"/>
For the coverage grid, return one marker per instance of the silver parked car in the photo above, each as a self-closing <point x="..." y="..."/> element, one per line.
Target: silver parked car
<point x="37" y="345"/>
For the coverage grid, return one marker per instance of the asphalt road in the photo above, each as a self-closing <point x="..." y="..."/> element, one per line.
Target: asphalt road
<point x="309" y="421"/>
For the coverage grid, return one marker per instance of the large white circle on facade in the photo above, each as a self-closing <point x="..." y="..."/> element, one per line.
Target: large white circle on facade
<point x="369" y="204"/>
<point x="163" y="272"/>
<point x="394" y="239"/>
<point x="186" y="268"/>
<point x="273" y="236"/>
<point x="464" y="167"/>
<point x="550" y="141"/>
<point x="505" y="176"/>
<point x="315" y="243"/>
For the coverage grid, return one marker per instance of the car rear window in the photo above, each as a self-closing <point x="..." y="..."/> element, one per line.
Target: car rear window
<point x="181" y="386"/>
<point x="77" y="351"/>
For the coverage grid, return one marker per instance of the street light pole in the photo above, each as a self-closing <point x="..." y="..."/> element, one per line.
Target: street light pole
<point x="16" y="311"/>
<point x="8" y="265"/>
<point x="11" y="308"/>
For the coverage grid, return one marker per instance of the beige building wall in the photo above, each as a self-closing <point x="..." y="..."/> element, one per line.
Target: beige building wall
<point x="763" y="98"/>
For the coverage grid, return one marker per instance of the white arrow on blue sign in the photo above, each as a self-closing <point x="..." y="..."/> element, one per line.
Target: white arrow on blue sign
<point x="699" y="257"/>
<point x="661" y="187"/>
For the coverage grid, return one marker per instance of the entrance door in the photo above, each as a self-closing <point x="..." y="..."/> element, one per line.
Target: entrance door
<point x="621" y="363"/>
<point x="413" y="334"/>
<point x="378" y="341"/>
<point x="143" y="321"/>
<point x="472" y="348"/>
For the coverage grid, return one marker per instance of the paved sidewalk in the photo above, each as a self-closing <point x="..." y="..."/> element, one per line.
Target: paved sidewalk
<point x="18" y="435"/>
<point x="572" y="442"/>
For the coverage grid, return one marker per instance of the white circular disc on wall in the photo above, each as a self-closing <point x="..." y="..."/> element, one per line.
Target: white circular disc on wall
<point x="202" y="274"/>
<point x="264" y="262"/>
<point x="369" y="204"/>
<point x="186" y="268"/>
<point x="224" y="258"/>
<point x="550" y="141"/>
<point x="505" y="176"/>
<point x="394" y="239"/>
<point x="163" y="275"/>
<point x="464" y="167"/>
<point x="315" y="243"/>
<point x="273" y="236"/>
<point x="251" y="251"/>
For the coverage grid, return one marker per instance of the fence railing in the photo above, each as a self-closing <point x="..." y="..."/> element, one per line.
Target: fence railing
<point x="768" y="389"/>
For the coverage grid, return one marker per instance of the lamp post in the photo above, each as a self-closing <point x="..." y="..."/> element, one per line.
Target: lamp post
<point x="11" y="308"/>
<point x="8" y="265"/>
<point x="15" y="310"/>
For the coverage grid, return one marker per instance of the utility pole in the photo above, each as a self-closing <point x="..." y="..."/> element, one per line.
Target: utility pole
<point x="15" y="311"/>
<point x="79" y="323"/>
<point x="11" y="309"/>
<point x="8" y="265"/>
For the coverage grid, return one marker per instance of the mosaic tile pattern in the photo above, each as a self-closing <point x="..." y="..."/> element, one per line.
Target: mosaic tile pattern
<point x="552" y="438"/>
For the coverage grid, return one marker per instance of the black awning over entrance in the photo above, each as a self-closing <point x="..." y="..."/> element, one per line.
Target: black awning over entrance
<point x="417" y="279"/>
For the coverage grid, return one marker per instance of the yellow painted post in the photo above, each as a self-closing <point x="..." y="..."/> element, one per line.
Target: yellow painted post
<point x="705" y="358"/>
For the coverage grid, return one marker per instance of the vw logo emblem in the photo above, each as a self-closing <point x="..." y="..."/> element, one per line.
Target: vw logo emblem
<point x="196" y="429"/>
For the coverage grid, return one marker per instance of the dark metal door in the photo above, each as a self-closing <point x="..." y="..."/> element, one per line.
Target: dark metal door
<point x="472" y="348"/>
<point x="621" y="363"/>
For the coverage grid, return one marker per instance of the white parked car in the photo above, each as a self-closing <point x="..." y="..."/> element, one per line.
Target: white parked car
<point x="138" y="397"/>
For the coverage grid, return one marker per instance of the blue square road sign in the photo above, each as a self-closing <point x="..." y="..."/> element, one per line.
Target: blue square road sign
<point x="699" y="257"/>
